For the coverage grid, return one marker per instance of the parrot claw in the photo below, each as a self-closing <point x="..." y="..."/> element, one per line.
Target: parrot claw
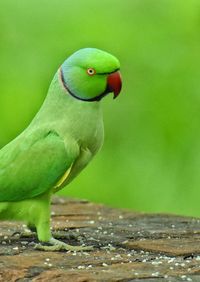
<point x="56" y="245"/>
<point x="24" y="234"/>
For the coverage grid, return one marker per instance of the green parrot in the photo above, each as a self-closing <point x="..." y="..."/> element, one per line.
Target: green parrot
<point x="60" y="141"/>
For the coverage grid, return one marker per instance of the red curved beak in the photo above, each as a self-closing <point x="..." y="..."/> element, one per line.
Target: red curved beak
<point x="114" y="83"/>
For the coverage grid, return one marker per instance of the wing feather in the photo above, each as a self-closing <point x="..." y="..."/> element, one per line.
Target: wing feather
<point x="32" y="165"/>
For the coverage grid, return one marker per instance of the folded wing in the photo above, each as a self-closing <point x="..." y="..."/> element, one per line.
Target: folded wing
<point x="33" y="164"/>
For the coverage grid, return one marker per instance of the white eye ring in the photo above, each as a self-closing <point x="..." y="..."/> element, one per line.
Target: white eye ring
<point x="91" y="71"/>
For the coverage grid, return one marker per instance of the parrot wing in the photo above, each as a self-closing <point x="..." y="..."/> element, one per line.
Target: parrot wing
<point x="33" y="164"/>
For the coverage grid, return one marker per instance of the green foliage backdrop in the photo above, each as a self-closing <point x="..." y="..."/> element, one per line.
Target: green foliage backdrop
<point x="151" y="156"/>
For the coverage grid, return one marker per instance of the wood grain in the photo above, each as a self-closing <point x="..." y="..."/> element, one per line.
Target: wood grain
<point x="128" y="246"/>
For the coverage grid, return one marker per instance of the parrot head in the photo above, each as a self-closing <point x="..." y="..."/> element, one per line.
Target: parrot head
<point x="90" y="74"/>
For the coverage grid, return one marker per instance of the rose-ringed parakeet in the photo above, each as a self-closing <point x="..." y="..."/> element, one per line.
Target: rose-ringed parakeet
<point x="59" y="142"/>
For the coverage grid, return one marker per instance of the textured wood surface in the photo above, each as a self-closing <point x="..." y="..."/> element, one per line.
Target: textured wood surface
<point x="128" y="246"/>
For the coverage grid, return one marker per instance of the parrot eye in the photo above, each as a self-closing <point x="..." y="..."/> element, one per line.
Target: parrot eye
<point x="91" y="71"/>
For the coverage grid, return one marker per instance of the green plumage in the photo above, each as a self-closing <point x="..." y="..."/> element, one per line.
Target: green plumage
<point x="64" y="136"/>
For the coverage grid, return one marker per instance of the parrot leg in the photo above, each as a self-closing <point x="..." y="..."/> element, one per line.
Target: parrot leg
<point x="44" y="234"/>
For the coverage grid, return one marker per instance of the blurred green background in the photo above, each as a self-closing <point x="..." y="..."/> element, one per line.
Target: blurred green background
<point x="150" y="160"/>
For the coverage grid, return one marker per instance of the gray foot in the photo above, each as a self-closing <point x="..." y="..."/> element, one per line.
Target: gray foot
<point x="23" y="234"/>
<point x="57" y="245"/>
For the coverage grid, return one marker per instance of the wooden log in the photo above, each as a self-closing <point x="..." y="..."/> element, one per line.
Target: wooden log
<point x="128" y="246"/>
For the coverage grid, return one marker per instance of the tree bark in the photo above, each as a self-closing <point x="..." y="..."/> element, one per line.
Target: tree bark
<point x="128" y="246"/>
